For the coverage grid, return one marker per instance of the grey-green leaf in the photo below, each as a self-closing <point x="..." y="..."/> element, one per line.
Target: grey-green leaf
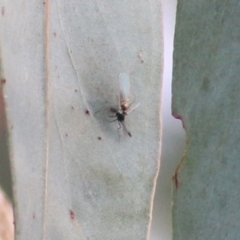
<point x="206" y="97"/>
<point x="74" y="177"/>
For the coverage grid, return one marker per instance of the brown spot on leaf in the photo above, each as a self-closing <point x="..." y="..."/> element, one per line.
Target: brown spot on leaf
<point x="72" y="214"/>
<point x="140" y="56"/>
<point x="3" y="11"/>
<point x="175" y="176"/>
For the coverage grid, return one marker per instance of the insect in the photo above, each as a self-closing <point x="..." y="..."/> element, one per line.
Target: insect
<point x="124" y="102"/>
<point x="120" y="117"/>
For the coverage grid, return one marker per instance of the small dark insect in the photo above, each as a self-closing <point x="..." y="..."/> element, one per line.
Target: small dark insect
<point x="124" y="103"/>
<point x="120" y="117"/>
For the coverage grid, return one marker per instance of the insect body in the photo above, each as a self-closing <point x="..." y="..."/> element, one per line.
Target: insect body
<point x="124" y="102"/>
<point x="120" y="117"/>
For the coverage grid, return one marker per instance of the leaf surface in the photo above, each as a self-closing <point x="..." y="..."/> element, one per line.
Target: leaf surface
<point x="206" y="97"/>
<point x="74" y="177"/>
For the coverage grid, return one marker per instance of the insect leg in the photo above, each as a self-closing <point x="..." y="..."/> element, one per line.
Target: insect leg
<point x="125" y="129"/>
<point x="113" y="120"/>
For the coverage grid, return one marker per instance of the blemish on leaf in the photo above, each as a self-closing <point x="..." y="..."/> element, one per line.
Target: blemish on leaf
<point x="3" y="11"/>
<point x="99" y="138"/>
<point x="175" y="179"/>
<point x="76" y="90"/>
<point x="206" y="85"/>
<point x="72" y="214"/>
<point x="66" y="135"/>
<point x="175" y="176"/>
<point x="72" y="107"/>
<point x="3" y="81"/>
<point x="87" y="112"/>
<point x="140" y="56"/>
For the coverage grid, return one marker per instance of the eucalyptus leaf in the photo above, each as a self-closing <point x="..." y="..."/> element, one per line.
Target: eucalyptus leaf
<point x="206" y="97"/>
<point x="75" y="175"/>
